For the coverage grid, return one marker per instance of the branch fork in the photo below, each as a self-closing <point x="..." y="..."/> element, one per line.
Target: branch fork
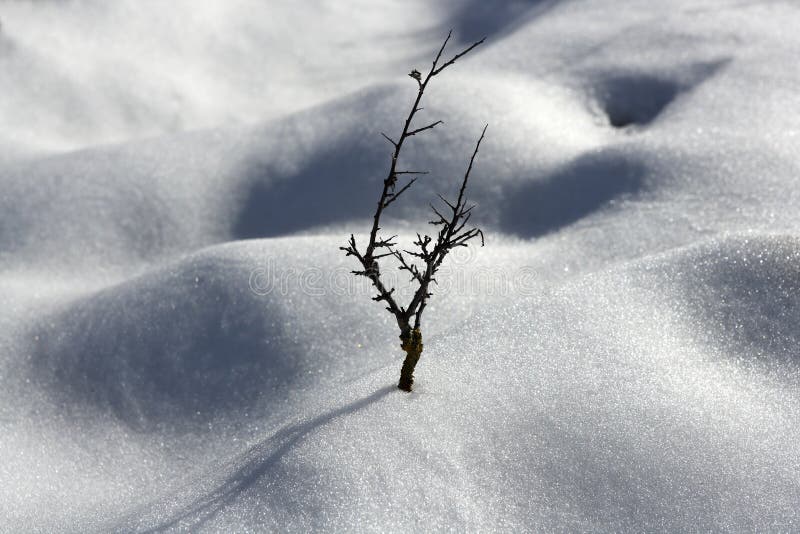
<point x="452" y="229"/>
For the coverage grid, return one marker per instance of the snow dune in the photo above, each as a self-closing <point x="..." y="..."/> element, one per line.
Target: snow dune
<point x="184" y="349"/>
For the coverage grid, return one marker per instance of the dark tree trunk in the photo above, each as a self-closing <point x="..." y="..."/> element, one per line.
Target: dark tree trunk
<point x="412" y="345"/>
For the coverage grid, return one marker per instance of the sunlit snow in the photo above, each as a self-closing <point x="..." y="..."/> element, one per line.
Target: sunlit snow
<point x="183" y="347"/>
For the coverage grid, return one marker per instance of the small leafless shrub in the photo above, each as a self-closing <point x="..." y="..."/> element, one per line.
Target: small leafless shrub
<point x="423" y="261"/>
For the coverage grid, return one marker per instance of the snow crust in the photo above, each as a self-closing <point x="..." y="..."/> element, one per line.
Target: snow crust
<point x="183" y="348"/>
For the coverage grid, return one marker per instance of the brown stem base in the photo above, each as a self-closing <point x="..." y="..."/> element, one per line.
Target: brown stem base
<point x="412" y="345"/>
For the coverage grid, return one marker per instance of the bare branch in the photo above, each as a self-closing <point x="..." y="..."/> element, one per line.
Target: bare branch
<point x="410" y="267"/>
<point x="442" y="219"/>
<point x="467" y="210"/>
<point x="384" y="242"/>
<point x="419" y="255"/>
<point x="394" y="143"/>
<point x="428" y="127"/>
<point x="464" y="221"/>
<point x="450" y="236"/>
<point x="439" y="54"/>
<point x="383" y="296"/>
<point x="446" y="202"/>
<point x="456" y="57"/>
<point x="469" y="169"/>
<point x="394" y="196"/>
<point x="453" y="229"/>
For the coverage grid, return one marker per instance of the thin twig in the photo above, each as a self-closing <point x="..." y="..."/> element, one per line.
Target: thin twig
<point x="452" y="231"/>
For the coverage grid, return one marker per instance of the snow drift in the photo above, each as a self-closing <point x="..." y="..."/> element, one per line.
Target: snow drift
<point x="182" y="347"/>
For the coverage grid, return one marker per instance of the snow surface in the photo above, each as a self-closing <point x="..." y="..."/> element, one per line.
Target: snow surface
<point x="182" y="347"/>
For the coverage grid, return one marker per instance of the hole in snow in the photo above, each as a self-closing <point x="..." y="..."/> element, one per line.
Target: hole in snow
<point x="639" y="98"/>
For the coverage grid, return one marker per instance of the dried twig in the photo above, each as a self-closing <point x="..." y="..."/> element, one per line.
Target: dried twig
<point x="452" y="230"/>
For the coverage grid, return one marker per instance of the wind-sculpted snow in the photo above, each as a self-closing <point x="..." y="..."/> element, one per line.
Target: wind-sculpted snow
<point x="184" y="348"/>
<point x="744" y="301"/>
<point x="153" y="199"/>
<point x="228" y="328"/>
<point x="623" y="424"/>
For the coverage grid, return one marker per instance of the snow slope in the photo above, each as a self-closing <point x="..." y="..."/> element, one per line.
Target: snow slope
<point x="183" y="348"/>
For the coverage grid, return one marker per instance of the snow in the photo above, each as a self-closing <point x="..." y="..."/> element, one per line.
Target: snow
<point x="183" y="347"/>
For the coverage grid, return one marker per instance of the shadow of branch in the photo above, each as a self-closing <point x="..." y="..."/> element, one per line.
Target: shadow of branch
<point x="258" y="461"/>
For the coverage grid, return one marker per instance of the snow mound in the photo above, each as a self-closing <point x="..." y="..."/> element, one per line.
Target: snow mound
<point x="183" y="346"/>
<point x="146" y="201"/>
<point x="605" y="425"/>
<point x="741" y="299"/>
<point x="221" y="330"/>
